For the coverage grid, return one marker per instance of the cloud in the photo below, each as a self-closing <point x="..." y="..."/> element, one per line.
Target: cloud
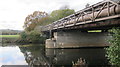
<point x="11" y="56"/>
<point x="17" y="10"/>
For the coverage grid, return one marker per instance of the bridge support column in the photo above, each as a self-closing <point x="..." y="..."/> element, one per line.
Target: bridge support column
<point x="75" y="39"/>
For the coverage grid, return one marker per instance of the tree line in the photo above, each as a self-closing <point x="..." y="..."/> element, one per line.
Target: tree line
<point x="33" y="21"/>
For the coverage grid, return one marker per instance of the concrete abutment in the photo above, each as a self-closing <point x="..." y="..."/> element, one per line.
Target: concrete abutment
<point x="75" y="39"/>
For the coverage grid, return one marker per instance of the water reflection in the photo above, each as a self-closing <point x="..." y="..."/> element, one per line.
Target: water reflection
<point x="38" y="55"/>
<point x="66" y="56"/>
<point x="35" y="55"/>
<point x="11" y="56"/>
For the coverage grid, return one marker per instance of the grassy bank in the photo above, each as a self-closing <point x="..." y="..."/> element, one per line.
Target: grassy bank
<point x="9" y="36"/>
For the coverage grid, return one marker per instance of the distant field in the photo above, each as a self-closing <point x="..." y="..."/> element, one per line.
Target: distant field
<point x="10" y="36"/>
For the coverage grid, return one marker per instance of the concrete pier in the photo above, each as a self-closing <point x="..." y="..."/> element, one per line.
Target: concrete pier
<point x="75" y="39"/>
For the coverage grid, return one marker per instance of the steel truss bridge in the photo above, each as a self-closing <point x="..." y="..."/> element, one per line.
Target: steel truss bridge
<point x="102" y="15"/>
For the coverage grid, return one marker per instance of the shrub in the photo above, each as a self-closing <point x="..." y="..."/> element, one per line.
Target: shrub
<point x="31" y="37"/>
<point x="113" y="51"/>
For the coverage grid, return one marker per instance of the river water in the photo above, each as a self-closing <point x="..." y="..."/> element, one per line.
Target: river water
<point x="36" y="54"/>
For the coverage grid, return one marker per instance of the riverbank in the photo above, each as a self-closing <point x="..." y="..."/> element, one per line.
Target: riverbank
<point x="9" y="40"/>
<point x="9" y="36"/>
<point x="17" y="39"/>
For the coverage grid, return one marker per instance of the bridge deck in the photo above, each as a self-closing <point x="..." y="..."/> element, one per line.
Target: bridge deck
<point x="105" y="13"/>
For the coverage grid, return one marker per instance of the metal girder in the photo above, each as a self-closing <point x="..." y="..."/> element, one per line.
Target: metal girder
<point x="100" y="11"/>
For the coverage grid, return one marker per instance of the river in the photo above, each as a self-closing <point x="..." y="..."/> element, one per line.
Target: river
<point x="36" y="54"/>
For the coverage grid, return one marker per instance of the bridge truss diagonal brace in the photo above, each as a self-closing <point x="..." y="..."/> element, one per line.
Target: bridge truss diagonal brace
<point x="101" y="10"/>
<point x="115" y="3"/>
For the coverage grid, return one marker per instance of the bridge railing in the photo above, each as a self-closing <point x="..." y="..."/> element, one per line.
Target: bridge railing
<point x="103" y="10"/>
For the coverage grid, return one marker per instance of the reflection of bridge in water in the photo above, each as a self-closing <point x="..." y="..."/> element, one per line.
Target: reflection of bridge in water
<point x="101" y="16"/>
<point x="38" y="56"/>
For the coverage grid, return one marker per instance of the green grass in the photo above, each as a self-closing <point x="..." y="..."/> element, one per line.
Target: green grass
<point x="10" y="36"/>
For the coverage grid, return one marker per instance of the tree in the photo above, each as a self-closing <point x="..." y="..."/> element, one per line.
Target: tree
<point x="44" y="21"/>
<point x="54" y="16"/>
<point x="32" y="20"/>
<point x="39" y="18"/>
<point x="61" y="13"/>
<point x="113" y="51"/>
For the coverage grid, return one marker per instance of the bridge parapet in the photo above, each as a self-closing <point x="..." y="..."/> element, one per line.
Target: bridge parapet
<point x="104" y="10"/>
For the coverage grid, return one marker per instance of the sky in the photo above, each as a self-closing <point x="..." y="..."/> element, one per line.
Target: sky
<point x="14" y="12"/>
<point x="11" y="56"/>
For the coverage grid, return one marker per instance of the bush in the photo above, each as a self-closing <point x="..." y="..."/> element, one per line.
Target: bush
<point x="113" y="51"/>
<point x="31" y="37"/>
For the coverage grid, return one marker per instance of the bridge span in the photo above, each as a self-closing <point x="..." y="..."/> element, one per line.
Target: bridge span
<point x="68" y="31"/>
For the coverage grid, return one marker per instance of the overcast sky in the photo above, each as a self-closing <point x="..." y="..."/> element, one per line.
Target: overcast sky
<point x="13" y="12"/>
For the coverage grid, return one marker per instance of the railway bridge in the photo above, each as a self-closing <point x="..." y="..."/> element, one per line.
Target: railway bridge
<point x="72" y="31"/>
